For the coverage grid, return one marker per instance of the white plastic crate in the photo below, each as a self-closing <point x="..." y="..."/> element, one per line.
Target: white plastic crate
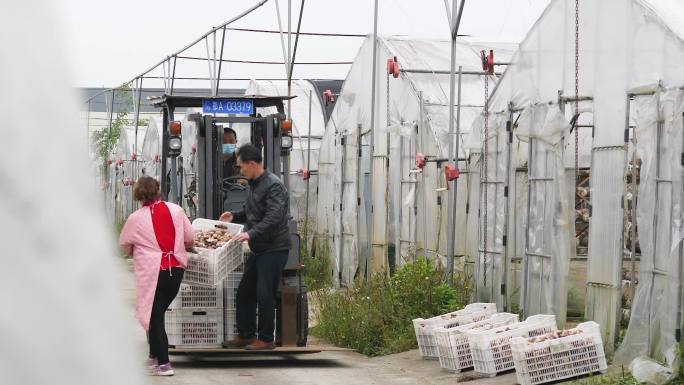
<point x="560" y="358"/>
<point x="230" y="286"/>
<point x="453" y="345"/>
<point x="423" y="327"/>
<point x="194" y="327"/>
<point x="491" y="349"/>
<point x="229" y="324"/>
<point x="208" y="267"/>
<point x="202" y="297"/>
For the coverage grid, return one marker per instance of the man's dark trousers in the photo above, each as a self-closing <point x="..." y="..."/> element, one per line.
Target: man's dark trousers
<point x="259" y="287"/>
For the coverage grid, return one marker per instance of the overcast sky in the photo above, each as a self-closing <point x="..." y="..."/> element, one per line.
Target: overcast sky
<point x="109" y="42"/>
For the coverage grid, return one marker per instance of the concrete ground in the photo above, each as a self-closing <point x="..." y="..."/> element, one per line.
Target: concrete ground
<point x="329" y="368"/>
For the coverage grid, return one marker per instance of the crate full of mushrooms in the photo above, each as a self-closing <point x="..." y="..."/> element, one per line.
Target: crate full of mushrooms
<point x="215" y="254"/>
<point x="559" y="355"/>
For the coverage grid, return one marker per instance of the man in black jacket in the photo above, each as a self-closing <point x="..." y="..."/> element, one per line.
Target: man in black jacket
<point x="265" y="215"/>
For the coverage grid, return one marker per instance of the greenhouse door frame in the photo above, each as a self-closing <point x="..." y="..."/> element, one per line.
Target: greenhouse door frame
<point x="501" y="181"/>
<point x="362" y="182"/>
<point x="407" y="179"/>
<point x="660" y="183"/>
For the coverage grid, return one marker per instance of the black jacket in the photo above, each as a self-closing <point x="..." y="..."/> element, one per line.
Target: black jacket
<point x="229" y="168"/>
<point x="265" y="214"/>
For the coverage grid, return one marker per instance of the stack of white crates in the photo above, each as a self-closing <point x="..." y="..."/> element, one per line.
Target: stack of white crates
<point x="453" y="345"/>
<point x="230" y="286"/>
<point x="559" y="356"/>
<point x="491" y="343"/>
<point x="196" y="317"/>
<point x="491" y="349"/>
<point x="424" y="327"/>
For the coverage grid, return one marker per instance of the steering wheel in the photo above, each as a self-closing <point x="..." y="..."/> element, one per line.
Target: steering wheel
<point x="231" y="183"/>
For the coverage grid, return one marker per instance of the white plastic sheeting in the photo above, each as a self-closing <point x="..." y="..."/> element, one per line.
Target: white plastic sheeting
<point x="343" y="215"/>
<point x="188" y="160"/>
<point x="151" y="148"/>
<point x="549" y="234"/>
<point x="306" y="96"/>
<point x="65" y="318"/>
<point x="127" y="168"/>
<point x="623" y="44"/>
<point x="490" y="260"/>
<point x="654" y="317"/>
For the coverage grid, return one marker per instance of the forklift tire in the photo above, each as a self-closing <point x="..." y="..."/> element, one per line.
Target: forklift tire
<point x="303" y="312"/>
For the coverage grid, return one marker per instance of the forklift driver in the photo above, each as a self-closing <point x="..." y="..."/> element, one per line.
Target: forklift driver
<point x="228" y="150"/>
<point x="265" y="214"/>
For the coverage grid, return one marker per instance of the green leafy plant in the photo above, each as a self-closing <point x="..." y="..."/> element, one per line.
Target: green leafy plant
<point x="317" y="267"/>
<point x="621" y="378"/>
<point x="375" y="317"/>
<point x="105" y="140"/>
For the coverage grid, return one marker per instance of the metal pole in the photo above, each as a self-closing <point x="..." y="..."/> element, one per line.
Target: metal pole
<point x="451" y="204"/>
<point x="218" y="75"/>
<point x="109" y="119"/>
<point x="659" y="129"/>
<point x="680" y="272"/>
<point x="457" y="156"/>
<point x="173" y="190"/>
<point x="289" y="54"/>
<point x="507" y="195"/>
<point x="294" y="54"/>
<point x="421" y="145"/>
<point x="359" y="179"/>
<point x="413" y="150"/>
<point x="282" y="40"/>
<point x="137" y="115"/>
<point x="173" y="75"/>
<point x="211" y="74"/>
<point x="372" y="123"/>
<point x="343" y="180"/>
<point x="632" y="286"/>
<point x="526" y="257"/>
<point x="308" y="168"/>
<point x="388" y="140"/>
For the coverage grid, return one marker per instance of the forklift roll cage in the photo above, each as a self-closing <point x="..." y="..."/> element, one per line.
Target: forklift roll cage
<point x="266" y="134"/>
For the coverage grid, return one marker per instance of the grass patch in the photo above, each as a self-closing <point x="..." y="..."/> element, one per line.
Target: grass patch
<point x="622" y="378"/>
<point x="375" y="317"/>
<point x="317" y="270"/>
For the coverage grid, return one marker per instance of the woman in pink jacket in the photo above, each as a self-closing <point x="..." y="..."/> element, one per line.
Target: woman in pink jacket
<point x="156" y="235"/>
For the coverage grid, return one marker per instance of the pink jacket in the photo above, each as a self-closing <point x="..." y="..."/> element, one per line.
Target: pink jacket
<point x="137" y="237"/>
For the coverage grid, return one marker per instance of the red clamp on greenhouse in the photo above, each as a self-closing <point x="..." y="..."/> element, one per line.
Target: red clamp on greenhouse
<point x="487" y="61"/>
<point x="304" y="174"/>
<point x="328" y="97"/>
<point x="451" y="173"/>
<point x="393" y="67"/>
<point x="420" y="161"/>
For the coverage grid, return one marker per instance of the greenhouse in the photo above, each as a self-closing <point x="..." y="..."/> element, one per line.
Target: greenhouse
<point x="608" y="110"/>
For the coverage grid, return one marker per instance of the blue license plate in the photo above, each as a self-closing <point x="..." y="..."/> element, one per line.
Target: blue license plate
<point x="228" y="106"/>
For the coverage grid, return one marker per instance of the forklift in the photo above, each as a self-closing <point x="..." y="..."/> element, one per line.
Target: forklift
<point x="214" y="194"/>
